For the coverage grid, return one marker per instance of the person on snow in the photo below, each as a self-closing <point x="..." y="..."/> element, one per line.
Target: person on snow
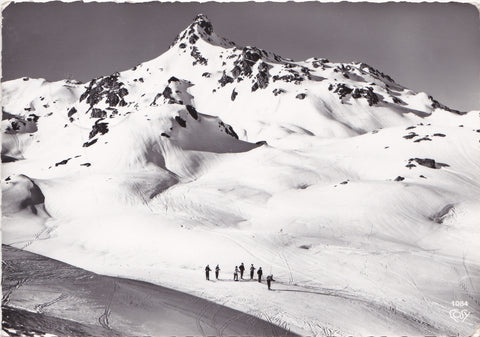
<point x="269" y="280"/>
<point x="252" y="272"/>
<point x="217" y="271"/>
<point x="207" y="272"/>
<point x="235" y="274"/>
<point x="242" y="269"/>
<point x="259" y="273"/>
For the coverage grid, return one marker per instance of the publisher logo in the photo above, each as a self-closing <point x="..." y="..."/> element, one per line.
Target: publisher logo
<point x="459" y="315"/>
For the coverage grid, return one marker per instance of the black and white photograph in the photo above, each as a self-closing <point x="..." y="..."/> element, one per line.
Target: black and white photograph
<point x="240" y="169"/>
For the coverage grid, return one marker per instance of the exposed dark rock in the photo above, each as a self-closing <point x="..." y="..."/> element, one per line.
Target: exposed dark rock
<point x="376" y="73"/>
<point x="195" y="53"/>
<point x="399" y="178"/>
<point x="106" y="87"/>
<point x="182" y="45"/>
<point x="112" y="99"/>
<point x="193" y="38"/>
<point x="430" y="163"/>
<point x="245" y="61"/>
<point x="301" y="96"/>
<point x="228" y="129"/>
<point x="122" y="92"/>
<point x="98" y="127"/>
<point x="192" y="111"/>
<point x="427" y="162"/>
<point x="98" y="113"/>
<point x="367" y="93"/>
<point x="292" y="76"/>
<point x="157" y="96"/>
<point x="167" y="93"/>
<point x="262" y="78"/>
<point x="342" y="90"/>
<point x="410" y="135"/>
<point x="7" y="159"/>
<point x="411" y="127"/>
<point x="233" y="95"/>
<point x="63" y="162"/>
<point x="397" y="100"/>
<point x="163" y="134"/>
<point x="203" y="22"/>
<point x="71" y="112"/>
<point x="438" y="105"/>
<point x="421" y="139"/>
<point x="320" y="63"/>
<point x="225" y="79"/>
<point x="33" y="118"/>
<point x="410" y="165"/>
<point x="439" y="135"/>
<point x="86" y="164"/>
<point x="206" y="74"/>
<point x="181" y="121"/>
<point x="344" y="182"/>
<point x="278" y="91"/>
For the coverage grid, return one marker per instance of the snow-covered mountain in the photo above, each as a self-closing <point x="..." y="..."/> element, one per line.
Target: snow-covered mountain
<point x="358" y="194"/>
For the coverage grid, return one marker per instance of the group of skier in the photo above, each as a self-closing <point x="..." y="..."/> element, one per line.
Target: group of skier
<point x="240" y="270"/>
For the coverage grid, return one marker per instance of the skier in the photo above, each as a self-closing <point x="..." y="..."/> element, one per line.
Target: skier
<point x="217" y="271"/>
<point x="269" y="280"/>
<point x="207" y="272"/>
<point x="252" y="272"/>
<point x="242" y="269"/>
<point x="259" y="273"/>
<point x="235" y="274"/>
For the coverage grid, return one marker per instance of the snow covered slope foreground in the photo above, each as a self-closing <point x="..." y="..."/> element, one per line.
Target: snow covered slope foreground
<point x="63" y="300"/>
<point x="359" y="195"/>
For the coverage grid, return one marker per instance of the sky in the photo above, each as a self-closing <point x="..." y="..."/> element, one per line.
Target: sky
<point x="431" y="47"/>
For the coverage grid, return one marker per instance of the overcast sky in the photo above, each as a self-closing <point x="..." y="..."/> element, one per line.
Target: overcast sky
<point x="426" y="47"/>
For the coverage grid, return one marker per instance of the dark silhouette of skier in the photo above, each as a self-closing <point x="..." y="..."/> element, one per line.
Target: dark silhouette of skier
<point x="252" y="272"/>
<point x="259" y="273"/>
<point x="242" y="269"/>
<point x="207" y="272"/>
<point x="217" y="271"/>
<point x="235" y="274"/>
<point x="269" y="280"/>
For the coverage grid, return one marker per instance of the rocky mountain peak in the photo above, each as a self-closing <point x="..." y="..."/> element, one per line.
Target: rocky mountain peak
<point x="202" y="24"/>
<point x="200" y="28"/>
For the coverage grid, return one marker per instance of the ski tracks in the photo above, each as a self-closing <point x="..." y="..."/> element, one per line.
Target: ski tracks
<point x="39" y="307"/>
<point x="104" y="317"/>
<point x="8" y="293"/>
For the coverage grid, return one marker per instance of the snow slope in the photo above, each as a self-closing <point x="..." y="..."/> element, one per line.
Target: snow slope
<point x="66" y="301"/>
<point x="358" y="194"/>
